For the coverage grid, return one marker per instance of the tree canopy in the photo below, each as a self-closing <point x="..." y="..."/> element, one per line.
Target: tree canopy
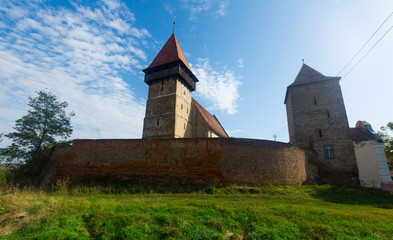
<point x="45" y="123"/>
<point x="385" y="133"/>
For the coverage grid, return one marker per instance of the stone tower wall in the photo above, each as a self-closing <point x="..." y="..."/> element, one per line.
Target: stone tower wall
<point x="161" y="108"/>
<point x="183" y="122"/>
<point x="317" y="118"/>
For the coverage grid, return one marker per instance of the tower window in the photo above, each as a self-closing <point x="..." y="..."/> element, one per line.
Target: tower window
<point x="329" y="153"/>
<point x="162" y="86"/>
<point x="187" y="110"/>
<point x="328" y="113"/>
<point x="158" y="121"/>
<point x="315" y="100"/>
<point x="184" y="126"/>
<point x="320" y="132"/>
<point x="181" y="106"/>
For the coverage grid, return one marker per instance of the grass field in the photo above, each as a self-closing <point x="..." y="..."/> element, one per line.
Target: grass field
<point x="196" y="212"/>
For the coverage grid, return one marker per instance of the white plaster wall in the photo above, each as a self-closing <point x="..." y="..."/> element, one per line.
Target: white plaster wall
<point x="372" y="165"/>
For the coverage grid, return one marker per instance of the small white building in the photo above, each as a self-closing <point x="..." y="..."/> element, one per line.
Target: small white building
<point x="370" y="156"/>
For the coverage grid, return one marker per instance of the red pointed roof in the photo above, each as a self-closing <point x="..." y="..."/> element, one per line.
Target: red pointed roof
<point x="169" y="53"/>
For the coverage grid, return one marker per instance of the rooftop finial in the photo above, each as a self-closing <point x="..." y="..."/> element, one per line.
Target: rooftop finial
<point x="174" y="23"/>
<point x="303" y="61"/>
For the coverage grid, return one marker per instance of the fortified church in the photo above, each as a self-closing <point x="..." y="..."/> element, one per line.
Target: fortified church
<point x="183" y="142"/>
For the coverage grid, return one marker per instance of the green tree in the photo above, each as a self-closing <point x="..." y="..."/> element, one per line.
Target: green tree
<point x="386" y="134"/>
<point x="37" y="132"/>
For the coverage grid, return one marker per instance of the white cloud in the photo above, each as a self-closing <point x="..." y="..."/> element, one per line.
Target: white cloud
<point x="241" y="62"/>
<point x="220" y="88"/>
<point x="80" y="54"/>
<point x="222" y="8"/>
<point x="169" y="8"/>
<point x="217" y="8"/>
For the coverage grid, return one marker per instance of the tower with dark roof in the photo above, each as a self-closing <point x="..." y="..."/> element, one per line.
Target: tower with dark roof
<point x="171" y="112"/>
<point x="317" y="118"/>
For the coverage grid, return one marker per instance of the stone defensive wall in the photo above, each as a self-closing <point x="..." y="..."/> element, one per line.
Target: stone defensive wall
<point x="199" y="161"/>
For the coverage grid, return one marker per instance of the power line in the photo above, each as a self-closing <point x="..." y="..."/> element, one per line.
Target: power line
<point x="365" y="43"/>
<point x="281" y="131"/>
<point x="357" y="53"/>
<point x="368" y="52"/>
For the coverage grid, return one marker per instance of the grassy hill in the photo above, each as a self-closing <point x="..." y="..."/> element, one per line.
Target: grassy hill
<point x="138" y="211"/>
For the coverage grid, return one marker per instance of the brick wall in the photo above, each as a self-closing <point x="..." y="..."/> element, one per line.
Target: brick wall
<point x="235" y="161"/>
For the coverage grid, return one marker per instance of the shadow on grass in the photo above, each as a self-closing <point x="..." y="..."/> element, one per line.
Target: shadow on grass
<point x="354" y="196"/>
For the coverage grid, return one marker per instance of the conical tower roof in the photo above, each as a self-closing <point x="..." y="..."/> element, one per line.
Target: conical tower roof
<point x="308" y="75"/>
<point x="171" y="52"/>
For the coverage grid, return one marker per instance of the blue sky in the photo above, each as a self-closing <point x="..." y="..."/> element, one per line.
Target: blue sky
<point x="245" y="54"/>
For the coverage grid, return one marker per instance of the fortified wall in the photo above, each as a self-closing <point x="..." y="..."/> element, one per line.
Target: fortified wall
<point x="199" y="160"/>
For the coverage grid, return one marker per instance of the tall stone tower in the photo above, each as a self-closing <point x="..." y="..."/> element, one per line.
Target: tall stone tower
<point x="317" y="118"/>
<point x="169" y="102"/>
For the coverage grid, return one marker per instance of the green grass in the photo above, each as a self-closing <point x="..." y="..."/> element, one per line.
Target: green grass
<point x="140" y="211"/>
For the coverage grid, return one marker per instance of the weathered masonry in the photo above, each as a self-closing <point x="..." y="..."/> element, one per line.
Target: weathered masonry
<point x="171" y="111"/>
<point x="182" y="160"/>
<point x="182" y="142"/>
<point x="317" y="119"/>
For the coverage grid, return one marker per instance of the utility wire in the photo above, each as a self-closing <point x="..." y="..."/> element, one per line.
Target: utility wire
<point x="350" y="61"/>
<point x="367" y="52"/>
<point x="365" y="44"/>
<point x="281" y="131"/>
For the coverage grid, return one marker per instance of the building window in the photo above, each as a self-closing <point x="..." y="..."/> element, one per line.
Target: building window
<point x="181" y="106"/>
<point x="158" y="121"/>
<point x="184" y="126"/>
<point x="320" y="132"/>
<point x="329" y="153"/>
<point x="328" y="113"/>
<point x="315" y="100"/>
<point x="162" y="86"/>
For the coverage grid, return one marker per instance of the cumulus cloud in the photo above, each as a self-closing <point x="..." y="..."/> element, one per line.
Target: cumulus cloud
<point x="80" y="54"/>
<point x="218" y="8"/>
<point x="219" y="88"/>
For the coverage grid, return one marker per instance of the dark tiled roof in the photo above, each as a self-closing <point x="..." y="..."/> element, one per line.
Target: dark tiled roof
<point x="169" y="53"/>
<point x="367" y="127"/>
<point x="359" y="134"/>
<point x="210" y="119"/>
<point x="308" y="75"/>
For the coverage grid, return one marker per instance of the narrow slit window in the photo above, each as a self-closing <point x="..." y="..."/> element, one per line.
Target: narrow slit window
<point x="328" y="113"/>
<point x="181" y="106"/>
<point x="320" y="132"/>
<point x="184" y="126"/>
<point x="315" y="100"/>
<point x="162" y="86"/>
<point x="158" y="121"/>
<point x="187" y="110"/>
<point x="329" y="153"/>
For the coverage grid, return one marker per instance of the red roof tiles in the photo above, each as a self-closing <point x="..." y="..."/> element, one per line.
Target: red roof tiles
<point x="169" y="53"/>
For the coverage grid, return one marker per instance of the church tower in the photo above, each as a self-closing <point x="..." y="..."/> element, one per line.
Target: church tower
<point x="317" y="118"/>
<point x="169" y="102"/>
